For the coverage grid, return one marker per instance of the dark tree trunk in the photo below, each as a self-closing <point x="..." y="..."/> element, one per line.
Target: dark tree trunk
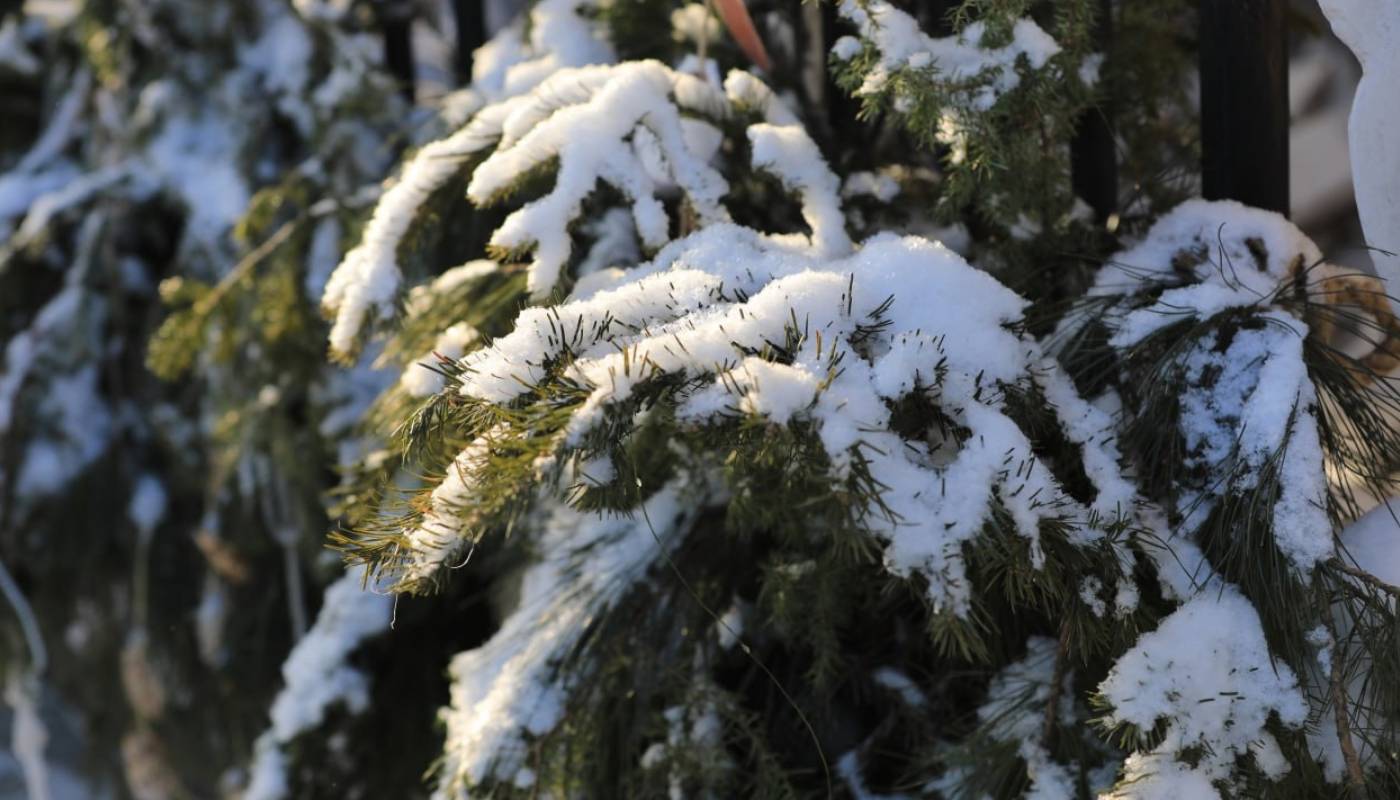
<point x="1093" y="153"/>
<point x="1244" y="102"/>
<point x="471" y="32"/>
<point x="395" y="19"/>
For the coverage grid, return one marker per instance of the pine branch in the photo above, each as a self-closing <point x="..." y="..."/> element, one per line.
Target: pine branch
<point x="1052" y="703"/>
<point x="1356" y="779"/>
<point x="1366" y="577"/>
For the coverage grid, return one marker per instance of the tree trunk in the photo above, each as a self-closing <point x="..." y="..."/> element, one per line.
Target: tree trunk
<point x="1093" y="152"/>
<point x="1244" y="102"/>
<point x="471" y="32"/>
<point x="396" y="21"/>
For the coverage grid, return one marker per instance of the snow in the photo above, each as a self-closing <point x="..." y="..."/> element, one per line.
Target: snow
<point x="747" y="92"/>
<point x="1258" y="400"/>
<point x="513" y="686"/>
<point x="631" y="126"/>
<point x="788" y="153"/>
<point x="367" y="279"/>
<point x="1207" y="672"/>
<point x="62" y="127"/>
<point x="614" y="244"/>
<point x="322" y="255"/>
<point x="267" y="779"/>
<point x="693" y="22"/>
<point x="1370" y="28"/>
<point x="729" y="628"/>
<point x="1014" y="712"/>
<point x="28" y="734"/>
<point x="82" y="427"/>
<point x="210" y="617"/>
<point x="1221" y="270"/>
<point x="1372" y="543"/>
<point x="14" y="55"/>
<point x="439" y="534"/>
<point x="902" y="685"/>
<point x="420" y="381"/>
<point x="45" y="205"/>
<point x="1248" y="407"/>
<point x="148" y="504"/>
<point x="420" y="298"/>
<point x="609" y="104"/>
<point x="316" y="672"/>
<point x="846" y="48"/>
<point x="901" y="46"/>
<point x="703" y="300"/>
<point x="506" y="71"/>
<point x="1014" y="708"/>
<point x="70" y="426"/>
<point x="19" y="190"/>
<point x="848" y="769"/>
<point x="878" y="185"/>
<point x="317" y="676"/>
<point x="1182" y="568"/>
<point x="1093" y="429"/>
<point x="196" y="157"/>
<point x="280" y="60"/>
<point x="561" y="36"/>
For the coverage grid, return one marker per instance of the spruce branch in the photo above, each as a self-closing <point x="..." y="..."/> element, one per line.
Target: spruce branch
<point x="175" y="345"/>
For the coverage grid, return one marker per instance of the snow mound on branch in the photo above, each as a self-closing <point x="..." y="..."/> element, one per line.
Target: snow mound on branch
<point x="561" y="36"/>
<point x="621" y="124"/>
<point x="421" y="381"/>
<point x="638" y="127"/>
<point x="1249" y="408"/>
<point x="439" y="534"/>
<point x="1207" y="672"/>
<point x="318" y="676"/>
<point x="515" y="685"/>
<point x="865" y="331"/>
<point x="505" y="71"/>
<point x="1214" y="256"/>
<point x="1015" y="709"/>
<point x="1246" y="401"/>
<point x="988" y="72"/>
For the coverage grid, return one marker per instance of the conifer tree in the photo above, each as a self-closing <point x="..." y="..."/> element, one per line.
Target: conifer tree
<point x="715" y="400"/>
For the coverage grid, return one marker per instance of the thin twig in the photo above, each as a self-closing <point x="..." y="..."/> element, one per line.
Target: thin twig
<point x="28" y="622"/>
<point x="1356" y="779"/>
<point x="1366" y="577"/>
<point x="1052" y="703"/>
<point x="246" y="264"/>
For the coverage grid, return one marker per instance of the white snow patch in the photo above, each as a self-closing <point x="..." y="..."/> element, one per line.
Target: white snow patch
<point x="317" y="677"/>
<point x="511" y="686"/>
<point x="1208" y="673"/>
<point x="901" y="45"/>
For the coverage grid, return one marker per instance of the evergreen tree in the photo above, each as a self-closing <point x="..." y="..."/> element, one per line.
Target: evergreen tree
<point x="727" y="399"/>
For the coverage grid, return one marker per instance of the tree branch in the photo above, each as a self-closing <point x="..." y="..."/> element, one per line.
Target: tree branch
<point x="1366" y="577"/>
<point x="1356" y="779"/>
<point x="1057" y="680"/>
